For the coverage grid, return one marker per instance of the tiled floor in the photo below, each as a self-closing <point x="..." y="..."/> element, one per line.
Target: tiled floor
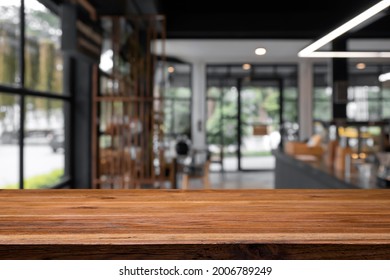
<point x="238" y="180"/>
<point x="243" y="180"/>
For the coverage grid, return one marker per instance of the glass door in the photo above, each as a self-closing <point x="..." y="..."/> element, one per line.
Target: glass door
<point x="222" y="127"/>
<point x="259" y="114"/>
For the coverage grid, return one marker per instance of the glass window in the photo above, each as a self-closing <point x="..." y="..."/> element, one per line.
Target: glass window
<point x="43" y="59"/>
<point x="322" y="104"/>
<point x="290" y="105"/>
<point x="386" y="109"/>
<point x="290" y="113"/>
<point x="259" y="107"/>
<point x="213" y="124"/>
<point x="291" y="93"/>
<point x="374" y="110"/>
<point x="386" y="92"/>
<point x="363" y="93"/>
<point x="178" y="92"/>
<point x="177" y="116"/>
<point x="182" y="117"/>
<point x="168" y="116"/>
<point x="214" y="92"/>
<point x="9" y="141"/>
<point x="323" y="93"/>
<point x="364" y="103"/>
<point x="177" y="101"/>
<point x="44" y="143"/>
<point x="367" y="97"/>
<point x="322" y="110"/>
<point x="43" y="164"/>
<point x="9" y="42"/>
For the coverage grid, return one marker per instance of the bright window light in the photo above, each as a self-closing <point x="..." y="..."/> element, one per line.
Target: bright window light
<point x="311" y="50"/>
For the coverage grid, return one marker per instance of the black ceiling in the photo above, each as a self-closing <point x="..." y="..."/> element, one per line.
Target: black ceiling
<point x="251" y="18"/>
<point x="264" y="19"/>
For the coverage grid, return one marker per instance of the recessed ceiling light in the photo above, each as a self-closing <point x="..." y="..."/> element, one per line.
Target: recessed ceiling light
<point x="260" y="51"/>
<point x="312" y="49"/>
<point x="171" y="69"/>
<point x="361" y="66"/>
<point x="384" y="77"/>
<point x="246" y="66"/>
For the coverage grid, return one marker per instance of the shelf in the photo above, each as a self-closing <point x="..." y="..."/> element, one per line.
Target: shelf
<point x="130" y="114"/>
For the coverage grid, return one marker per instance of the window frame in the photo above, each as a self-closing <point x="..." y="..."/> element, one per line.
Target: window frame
<point x="19" y="90"/>
<point x="172" y="134"/>
<point x="380" y="98"/>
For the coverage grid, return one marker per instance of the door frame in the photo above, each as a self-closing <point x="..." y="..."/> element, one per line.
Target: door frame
<point x="239" y="82"/>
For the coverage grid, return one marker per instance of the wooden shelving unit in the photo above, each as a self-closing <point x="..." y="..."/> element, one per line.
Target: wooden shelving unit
<point x="128" y="150"/>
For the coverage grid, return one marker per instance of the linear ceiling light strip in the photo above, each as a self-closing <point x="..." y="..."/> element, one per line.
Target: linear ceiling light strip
<point x="350" y="54"/>
<point x="384" y="77"/>
<point x="309" y="50"/>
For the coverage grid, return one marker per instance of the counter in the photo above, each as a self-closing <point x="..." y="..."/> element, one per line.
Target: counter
<point x="196" y="224"/>
<point x="294" y="173"/>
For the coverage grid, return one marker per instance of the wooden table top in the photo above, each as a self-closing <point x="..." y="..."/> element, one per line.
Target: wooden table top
<point x="134" y="217"/>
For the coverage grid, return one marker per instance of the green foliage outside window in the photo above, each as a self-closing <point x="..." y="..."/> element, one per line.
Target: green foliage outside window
<point x="257" y="105"/>
<point x="177" y="111"/>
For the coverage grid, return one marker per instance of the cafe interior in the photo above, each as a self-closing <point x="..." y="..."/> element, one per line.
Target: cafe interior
<point x="177" y="98"/>
<point x="161" y="94"/>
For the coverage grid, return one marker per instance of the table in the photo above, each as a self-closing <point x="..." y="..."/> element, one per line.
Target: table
<point x="195" y="224"/>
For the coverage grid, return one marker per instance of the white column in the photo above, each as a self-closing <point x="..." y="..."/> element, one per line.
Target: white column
<point x="198" y="105"/>
<point x="305" y="85"/>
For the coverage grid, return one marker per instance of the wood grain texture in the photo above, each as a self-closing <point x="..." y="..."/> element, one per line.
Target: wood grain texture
<point x="195" y="224"/>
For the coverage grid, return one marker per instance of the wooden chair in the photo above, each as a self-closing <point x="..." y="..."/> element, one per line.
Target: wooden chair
<point x="197" y="171"/>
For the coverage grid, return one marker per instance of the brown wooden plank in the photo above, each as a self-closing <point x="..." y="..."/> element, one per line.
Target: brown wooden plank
<point x="169" y="216"/>
<point x="111" y="218"/>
